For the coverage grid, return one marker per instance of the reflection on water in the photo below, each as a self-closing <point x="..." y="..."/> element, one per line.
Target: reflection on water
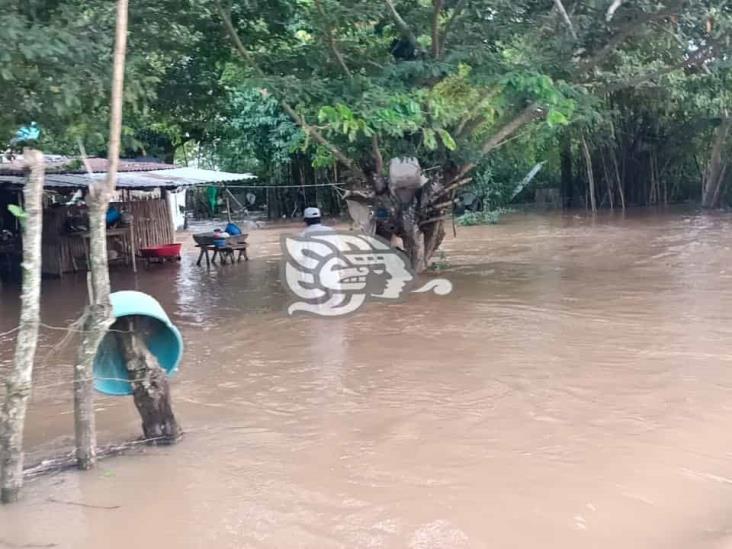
<point x="573" y="391"/>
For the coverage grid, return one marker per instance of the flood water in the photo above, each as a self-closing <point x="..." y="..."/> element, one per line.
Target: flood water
<point x="574" y="391"/>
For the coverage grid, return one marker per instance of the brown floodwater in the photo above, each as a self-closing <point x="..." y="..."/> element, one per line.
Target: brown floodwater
<point x="574" y="391"/>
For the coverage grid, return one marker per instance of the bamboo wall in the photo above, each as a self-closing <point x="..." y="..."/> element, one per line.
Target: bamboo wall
<point x="151" y="222"/>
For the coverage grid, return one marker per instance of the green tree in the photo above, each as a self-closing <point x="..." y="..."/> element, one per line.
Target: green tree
<point x="447" y="82"/>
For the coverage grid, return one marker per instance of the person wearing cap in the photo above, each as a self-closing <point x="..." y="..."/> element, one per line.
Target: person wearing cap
<point x="312" y="220"/>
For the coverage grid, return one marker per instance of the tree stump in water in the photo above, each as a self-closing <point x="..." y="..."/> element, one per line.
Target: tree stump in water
<point x="150" y="388"/>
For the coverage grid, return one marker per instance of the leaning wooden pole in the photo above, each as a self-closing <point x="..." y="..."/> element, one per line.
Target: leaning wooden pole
<point x="98" y="316"/>
<point x="150" y="388"/>
<point x="18" y="383"/>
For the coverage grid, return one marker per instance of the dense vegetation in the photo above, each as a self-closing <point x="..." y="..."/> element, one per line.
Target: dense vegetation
<point x="625" y="102"/>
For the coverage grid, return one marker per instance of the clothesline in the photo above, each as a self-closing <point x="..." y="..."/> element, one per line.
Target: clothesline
<point x="227" y="186"/>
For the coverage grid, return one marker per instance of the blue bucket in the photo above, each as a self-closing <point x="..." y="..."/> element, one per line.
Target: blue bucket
<point x="165" y="342"/>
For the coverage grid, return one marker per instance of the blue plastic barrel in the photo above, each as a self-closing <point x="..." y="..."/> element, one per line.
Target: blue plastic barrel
<point x="165" y="342"/>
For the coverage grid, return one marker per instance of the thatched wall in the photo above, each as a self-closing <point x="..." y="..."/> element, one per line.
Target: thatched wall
<point x="64" y="252"/>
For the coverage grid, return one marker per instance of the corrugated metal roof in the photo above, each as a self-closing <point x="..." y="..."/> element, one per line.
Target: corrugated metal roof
<point x="196" y="175"/>
<point x="66" y="165"/>
<point x="171" y="178"/>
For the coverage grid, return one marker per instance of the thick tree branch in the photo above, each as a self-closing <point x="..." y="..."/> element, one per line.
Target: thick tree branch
<point x="472" y="113"/>
<point x="698" y="58"/>
<point x="451" y="187"/>
<point x="330" y="39"/>
<point x="437" y="6"/>
<point x="315" y="134"/>
<point x="634" y="26"/>
<point x="299" y="120"/>
<point x="401" y="24"/>
<point x="231" y="31"/>
<point x="565" y="16"/>
<point x="379" y="181"/>
<point x="528" y="115"/>
<point x="612" y="9"/>
<point x="378" y="159"/>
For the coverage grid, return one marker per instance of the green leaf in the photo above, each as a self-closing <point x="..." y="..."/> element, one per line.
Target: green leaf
<point x="430" y="142"/>
<point x="556" y="118"/>
<point x="19" y="213"/>
<point x="447" y="139"/>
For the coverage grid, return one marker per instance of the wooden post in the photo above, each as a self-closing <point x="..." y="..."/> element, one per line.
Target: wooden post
<point x="590" y="176"/>
<point x="98" y="315"/>
<point x="149" y="382"/>
<point x="18" y="383"/>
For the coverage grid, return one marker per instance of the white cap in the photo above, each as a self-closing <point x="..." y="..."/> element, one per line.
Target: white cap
<point x="311" y="213"/>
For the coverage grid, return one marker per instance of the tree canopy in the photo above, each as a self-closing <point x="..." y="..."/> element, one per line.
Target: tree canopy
<point x="622" y="101"/>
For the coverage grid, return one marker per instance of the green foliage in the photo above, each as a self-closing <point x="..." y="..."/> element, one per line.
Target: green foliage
<point x="55" y="69"/>
<point x="255" y="135"/>
<point x="440" y="110"/>
<point x="631" y="85"/>
<point x="484" y="217"/>
<point x="441" y="263"/>
<point x="19" y="213"/>
<point x="54" y="62"/>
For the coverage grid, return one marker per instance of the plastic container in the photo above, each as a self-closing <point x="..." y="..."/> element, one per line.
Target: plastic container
<point x="232" y="229"/>
<point x="165" y="342"/>
<point x="164" y="250"/>
<point x="113" y="215"/>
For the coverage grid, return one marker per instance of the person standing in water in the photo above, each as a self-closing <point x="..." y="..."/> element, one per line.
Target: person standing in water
<point x="313" y="222"/>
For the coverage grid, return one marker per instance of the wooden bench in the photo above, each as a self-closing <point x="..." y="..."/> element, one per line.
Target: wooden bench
<point x="233" y="245"/>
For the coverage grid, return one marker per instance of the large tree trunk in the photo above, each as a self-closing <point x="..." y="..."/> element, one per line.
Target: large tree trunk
<point x="716" y="169"/>
<point x="413" y="237"/>
<point x="618" y="179"/>
<point x="590" y="175"/>
<point x="18" y="383"/>
<point x="97" y="319"/>
<point x="149" y="382"/>
<point x="98" y="316"/>
<point x="608" y="180"/>
<point x="420" y="221"/>
<point x="567" y="181"/>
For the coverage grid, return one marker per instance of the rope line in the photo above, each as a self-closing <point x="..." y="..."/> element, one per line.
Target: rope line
<point x="227" y="186"/>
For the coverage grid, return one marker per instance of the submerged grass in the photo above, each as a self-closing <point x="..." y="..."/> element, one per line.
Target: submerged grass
<point x="485" y="217"/>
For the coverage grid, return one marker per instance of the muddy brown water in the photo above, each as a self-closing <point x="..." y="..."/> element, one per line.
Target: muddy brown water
<point x="575" y="390"/>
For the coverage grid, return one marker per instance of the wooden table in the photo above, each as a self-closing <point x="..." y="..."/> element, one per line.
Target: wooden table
<point x="225" y="252"/>
<point x="126" y="234"/>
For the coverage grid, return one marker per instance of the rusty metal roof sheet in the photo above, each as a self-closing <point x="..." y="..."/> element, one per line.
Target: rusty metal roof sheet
<point x="167" y="179"/>
<point x="66" y="165"/>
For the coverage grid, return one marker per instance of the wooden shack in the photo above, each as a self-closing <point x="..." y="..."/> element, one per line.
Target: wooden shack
<point x="66" y="251"/>
<point x="142" y="199"/>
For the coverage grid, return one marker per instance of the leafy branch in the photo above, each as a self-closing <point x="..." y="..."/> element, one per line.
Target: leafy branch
<point x="401" y="24"/>
<point x="297" y="118"/>
<point x="330" y="39"/>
